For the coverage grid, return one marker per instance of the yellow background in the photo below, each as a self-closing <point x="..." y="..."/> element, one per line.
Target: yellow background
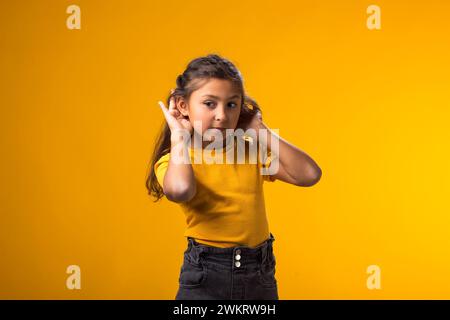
<point x="79" y="116"/>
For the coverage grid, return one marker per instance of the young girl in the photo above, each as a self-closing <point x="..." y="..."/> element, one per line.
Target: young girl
<point x="229" y="251"/>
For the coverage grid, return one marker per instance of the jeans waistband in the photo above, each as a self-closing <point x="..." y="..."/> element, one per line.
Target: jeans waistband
<point x="263" y="253"/>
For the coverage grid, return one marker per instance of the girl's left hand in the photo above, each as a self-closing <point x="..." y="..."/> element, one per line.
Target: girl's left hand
<point x="255" y="122"/>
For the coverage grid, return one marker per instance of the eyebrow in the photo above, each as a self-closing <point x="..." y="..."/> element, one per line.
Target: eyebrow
<point x="216" y="97"/>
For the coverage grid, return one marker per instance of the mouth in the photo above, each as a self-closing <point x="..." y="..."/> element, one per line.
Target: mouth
<point x="222" y="131"/>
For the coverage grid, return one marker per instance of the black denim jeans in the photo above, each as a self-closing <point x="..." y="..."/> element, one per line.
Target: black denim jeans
<point x="236" y="273"/>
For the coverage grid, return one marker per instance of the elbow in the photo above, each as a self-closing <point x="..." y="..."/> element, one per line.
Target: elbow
<point x="312" y="178"/>
<point x="181" y="193"/>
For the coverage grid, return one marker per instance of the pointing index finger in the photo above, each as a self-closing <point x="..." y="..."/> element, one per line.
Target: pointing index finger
<point x="163" y="107"/>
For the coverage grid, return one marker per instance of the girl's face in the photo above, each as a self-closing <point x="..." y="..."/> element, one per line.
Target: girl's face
<point x="216" y="104"/>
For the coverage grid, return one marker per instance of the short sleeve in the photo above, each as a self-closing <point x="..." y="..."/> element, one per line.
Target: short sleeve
<point x="160" y="168"/>
<point x="266" y="164"/>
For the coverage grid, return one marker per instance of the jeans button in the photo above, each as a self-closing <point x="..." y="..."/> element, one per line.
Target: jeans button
<point x="238" y="257"/>
<point x="237" y="264"/>
<point x="238" y="251"/>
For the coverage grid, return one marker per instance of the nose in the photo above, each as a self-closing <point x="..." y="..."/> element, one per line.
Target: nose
<point x="220" y="114"/>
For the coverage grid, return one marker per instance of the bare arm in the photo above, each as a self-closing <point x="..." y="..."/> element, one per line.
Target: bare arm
<point x="179" y="182"/>
<point x="295" y="166"/>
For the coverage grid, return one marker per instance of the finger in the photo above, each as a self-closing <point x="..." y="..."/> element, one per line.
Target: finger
<point x="175" y="113"/>
<point x="165" y="111"/>
<point x="186" y="124"/>
<point x="163" y="107"/>
<point x="172" y="103"/>
<point x="174" y="109"/>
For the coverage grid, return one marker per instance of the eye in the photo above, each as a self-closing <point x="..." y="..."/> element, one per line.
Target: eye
<point x="208" y="103"/>
<point x="211" y="104"/>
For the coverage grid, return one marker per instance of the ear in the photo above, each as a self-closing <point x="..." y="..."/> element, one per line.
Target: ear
<point x="182" y="106"/>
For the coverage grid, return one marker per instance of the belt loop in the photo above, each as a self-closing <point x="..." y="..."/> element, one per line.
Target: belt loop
<point x="267" y="250"/>
<point x="190" y="244"/>
<point x="264" y="253"/>
<point x="194" y="252"/>
<point x="271" y="238"/>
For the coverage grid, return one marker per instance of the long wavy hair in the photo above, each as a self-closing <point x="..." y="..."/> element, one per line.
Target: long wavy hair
<point x="207" y="67"/>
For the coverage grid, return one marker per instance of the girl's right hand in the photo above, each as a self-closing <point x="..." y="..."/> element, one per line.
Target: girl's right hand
<point x="175" y="120"/>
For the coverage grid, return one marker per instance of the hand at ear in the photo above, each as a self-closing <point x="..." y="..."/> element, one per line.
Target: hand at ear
<point x="175" y="120"/>
<point x="250" y="119"/>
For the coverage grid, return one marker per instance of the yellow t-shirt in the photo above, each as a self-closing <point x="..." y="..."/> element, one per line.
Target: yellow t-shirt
<point x="228" y="209"/>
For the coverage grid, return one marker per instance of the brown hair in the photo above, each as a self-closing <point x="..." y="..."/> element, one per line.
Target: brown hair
<point x="202" y="68"/>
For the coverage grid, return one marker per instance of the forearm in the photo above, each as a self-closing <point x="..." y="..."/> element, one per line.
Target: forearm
<point x="300" y="167"/>
<point x="179" y="181"/>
